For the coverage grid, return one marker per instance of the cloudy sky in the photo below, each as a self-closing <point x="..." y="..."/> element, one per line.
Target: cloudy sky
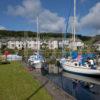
<point x="53" y="15"/>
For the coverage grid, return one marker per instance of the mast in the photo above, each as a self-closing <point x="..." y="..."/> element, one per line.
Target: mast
<point x="74" y="22"/>
<point x="37" y="35"/>
<point x="62" y="45"/>
<point x="25" y="44"/>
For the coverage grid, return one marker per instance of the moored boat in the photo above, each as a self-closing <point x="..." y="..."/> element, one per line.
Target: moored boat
<point x="73" y="65"/>
<point x="36" y="60"/>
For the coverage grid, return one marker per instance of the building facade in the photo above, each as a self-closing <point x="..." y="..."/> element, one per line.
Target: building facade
<point x="33" y="44"/>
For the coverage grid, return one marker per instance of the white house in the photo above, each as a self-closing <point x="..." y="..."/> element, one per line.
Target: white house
<point x="33" y="45"/>
<point x="19" y="44"/>
<point x="63" y="43"/>
<point x="53" y="44"/>
<point x="70" y="44"/>
<point x="11" y="45"/>
<point x="3" y="42"/>
<point x="97" y="45"/>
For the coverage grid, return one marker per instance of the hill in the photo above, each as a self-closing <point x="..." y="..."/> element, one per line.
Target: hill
<point x="8" y="33"/>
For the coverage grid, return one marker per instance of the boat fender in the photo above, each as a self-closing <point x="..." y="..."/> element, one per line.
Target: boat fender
<point x="75" y="64"/>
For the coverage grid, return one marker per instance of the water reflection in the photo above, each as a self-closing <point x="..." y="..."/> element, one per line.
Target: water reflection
<point x="83" y="88"/>
<point x="82" y="78"/>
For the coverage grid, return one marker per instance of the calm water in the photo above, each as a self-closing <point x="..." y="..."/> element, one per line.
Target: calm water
<point x="80" y="89"/>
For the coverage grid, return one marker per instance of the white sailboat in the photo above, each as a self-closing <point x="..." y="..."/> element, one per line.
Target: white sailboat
<point x="36" y="60"/>
<point x="73" y="66"/>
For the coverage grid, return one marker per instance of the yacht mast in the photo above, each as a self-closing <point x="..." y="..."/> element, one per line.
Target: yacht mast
<point x="74" y="22"/>
<point x="38" y="35"/>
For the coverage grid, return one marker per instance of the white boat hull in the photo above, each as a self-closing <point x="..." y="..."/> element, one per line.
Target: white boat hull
<point x="81" y="70"/>
<point x="38" y="65"/>
<point x="36" y="61"/>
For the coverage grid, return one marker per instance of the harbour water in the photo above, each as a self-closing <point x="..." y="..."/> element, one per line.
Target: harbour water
<point x="82" y="88"/>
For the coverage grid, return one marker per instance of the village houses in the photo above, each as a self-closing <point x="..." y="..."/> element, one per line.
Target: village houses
<point x="19" y="43"/>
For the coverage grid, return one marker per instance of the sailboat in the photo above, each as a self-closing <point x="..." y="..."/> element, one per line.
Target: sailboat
<point x="36" y="60"/>
<point x="73" y="66"/>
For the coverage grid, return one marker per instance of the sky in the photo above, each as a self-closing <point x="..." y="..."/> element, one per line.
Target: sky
<point x="53" y="15"/>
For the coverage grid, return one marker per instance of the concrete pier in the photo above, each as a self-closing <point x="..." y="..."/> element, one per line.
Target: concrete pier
<point x="54" y="69"/>
<point x="55" y="91"/>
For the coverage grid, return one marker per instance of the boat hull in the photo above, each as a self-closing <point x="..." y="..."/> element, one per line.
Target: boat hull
<point x="38" y="65"/>
<point x="82" y="71"/>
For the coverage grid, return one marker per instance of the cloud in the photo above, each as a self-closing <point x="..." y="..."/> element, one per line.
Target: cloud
<point x="28" y="8"/>
<point x="3" y="28"/>
<point x="90" y="23"/>
<point x="49" y="21"/>
<point x="92" y="19"/>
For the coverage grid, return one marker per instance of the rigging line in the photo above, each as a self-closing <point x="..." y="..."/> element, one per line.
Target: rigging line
<point x="67" y="21"/>
<point x="38" y="36"/>
<point x="67" y="25"/>
<point x="65" y="36"/>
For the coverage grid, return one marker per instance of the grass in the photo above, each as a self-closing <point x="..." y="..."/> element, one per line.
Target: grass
<point x="17" y="84"/>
